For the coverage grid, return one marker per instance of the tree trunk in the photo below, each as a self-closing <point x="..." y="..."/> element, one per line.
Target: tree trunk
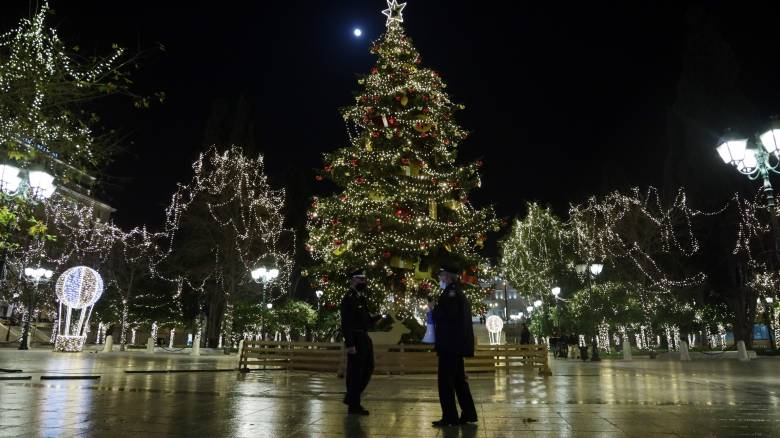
<point x="123" y="327"/>
<point x="214" y="320"/>
<point x="744" y="316"/>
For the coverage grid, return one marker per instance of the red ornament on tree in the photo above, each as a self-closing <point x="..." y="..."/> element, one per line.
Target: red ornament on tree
<point x="375" y="134"/>
<point x="425" y="110"/>
<point x="353" y="162"/>
<point x="374" y="70"/>
<point x="391" y="121"/>
<point x="405" y="161"/>
<point x="319" y="178"/>
<point x="425" y="97"/>
<point x="386" y="254"/>
<point x="360" y="180"/>
<point x="328" y="168"/>
<point x="337" y="242"/>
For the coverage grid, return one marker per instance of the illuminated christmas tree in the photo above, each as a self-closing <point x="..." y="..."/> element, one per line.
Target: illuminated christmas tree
<point x="402" y="207"/>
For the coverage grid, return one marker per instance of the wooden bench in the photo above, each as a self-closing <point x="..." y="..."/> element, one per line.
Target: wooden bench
<point x="388" y="359"/>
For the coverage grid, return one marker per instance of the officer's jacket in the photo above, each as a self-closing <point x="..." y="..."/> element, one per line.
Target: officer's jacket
<point x="355" y="316"/>
<point x="452" y="319"/>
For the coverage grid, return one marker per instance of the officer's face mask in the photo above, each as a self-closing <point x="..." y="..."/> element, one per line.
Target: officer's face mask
<point x="442" y="284"/>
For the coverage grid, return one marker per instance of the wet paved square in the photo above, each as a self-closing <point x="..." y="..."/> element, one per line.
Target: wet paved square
<point x="643" y="398"/>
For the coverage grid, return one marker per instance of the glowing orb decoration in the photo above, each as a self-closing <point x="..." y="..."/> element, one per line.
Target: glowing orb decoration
<point x="357" y="32"/>
<point x="79" y="287"/>
<point x="494" y="324"/>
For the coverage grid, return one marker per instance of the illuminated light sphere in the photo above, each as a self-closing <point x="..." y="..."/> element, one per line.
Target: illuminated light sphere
<point x="79" y="287"/>
<point x="494" y="324"/>
<point x="357" y="32"/>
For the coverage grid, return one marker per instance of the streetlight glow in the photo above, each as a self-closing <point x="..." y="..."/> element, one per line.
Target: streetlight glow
<point x="733" y="151"/>
<point x="538" y="303"/>
<point x="771" y="141"/>
<point x="319" y="294"/>
<point x="529" y="309"/>
<point x="556" y="291"/>
<point x="9" y="179"/>
<point x="41" y="184"/>
<point x="596" y="269"/>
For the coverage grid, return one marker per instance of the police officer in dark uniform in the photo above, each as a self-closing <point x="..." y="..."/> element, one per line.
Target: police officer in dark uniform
<point x="454" y="341"/>
<point x="355" y="321"/>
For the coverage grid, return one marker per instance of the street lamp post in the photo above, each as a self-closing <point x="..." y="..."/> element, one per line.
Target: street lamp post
<point x="556" y="291"/>
<point x="592" y="271"/>
<point x="264" y="276"/>
<point x="35" y="276"/>
<point x="506" y="303"/>
<point x="319" y="294"/>
<point x="757" y="161"/>
<point x="770" y="315"/>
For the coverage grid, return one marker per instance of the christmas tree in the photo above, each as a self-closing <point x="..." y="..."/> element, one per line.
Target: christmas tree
<point x="402" y="208"/>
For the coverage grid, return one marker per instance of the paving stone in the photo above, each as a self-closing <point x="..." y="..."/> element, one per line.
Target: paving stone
<point x="642" y="398"/>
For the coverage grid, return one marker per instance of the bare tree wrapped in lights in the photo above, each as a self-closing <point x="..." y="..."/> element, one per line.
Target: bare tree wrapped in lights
<point x="130" y="272"/>
<point x="226" y="222"/>
<point x="402" y="204"/>
<point x="43" y="86"/>
<point x="646" y="242"/>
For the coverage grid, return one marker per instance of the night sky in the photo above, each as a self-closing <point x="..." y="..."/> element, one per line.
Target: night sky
<point x="564" y="100"/>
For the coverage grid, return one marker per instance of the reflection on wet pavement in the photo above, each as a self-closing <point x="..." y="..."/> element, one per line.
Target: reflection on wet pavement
<point x="640" y="398"/>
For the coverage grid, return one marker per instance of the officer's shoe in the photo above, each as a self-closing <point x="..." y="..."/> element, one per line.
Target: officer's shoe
<point x="467" y="420"/>
<point x="357" y="410"/>
<point x="445" y="423"/>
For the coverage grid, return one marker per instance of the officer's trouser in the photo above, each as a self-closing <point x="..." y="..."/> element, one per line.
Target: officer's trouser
<point x="452" y="382"/>
<point x="360" y="366"/>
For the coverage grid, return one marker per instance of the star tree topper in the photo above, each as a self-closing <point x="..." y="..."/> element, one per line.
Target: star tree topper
<point x="394" y="12"/>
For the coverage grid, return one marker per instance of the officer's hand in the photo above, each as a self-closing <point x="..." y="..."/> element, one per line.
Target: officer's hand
<point x="351" y="350"/>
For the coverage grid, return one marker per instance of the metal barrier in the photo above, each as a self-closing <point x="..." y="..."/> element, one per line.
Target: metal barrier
<point x="388" y="359"/>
